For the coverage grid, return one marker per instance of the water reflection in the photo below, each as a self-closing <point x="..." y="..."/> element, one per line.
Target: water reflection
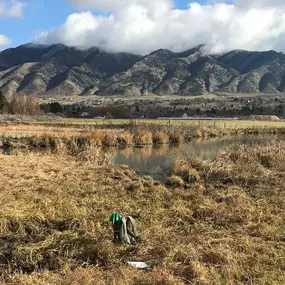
<point x="156" y="160"/>
<point x="148" y="160"/>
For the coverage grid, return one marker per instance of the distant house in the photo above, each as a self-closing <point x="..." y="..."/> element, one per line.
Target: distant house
<point x="184" y="116"/>
<point x="99" y="118"/>
<point x="84" y="114"/>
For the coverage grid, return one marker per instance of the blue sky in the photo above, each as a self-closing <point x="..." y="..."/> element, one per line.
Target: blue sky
<point x="38" y="15"/>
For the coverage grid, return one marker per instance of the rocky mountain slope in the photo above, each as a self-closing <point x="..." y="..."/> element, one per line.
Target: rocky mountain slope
<point x="66" y="71"/>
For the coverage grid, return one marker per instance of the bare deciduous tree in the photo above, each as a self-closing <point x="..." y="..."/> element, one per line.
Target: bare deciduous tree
<point x="26" y="105"/>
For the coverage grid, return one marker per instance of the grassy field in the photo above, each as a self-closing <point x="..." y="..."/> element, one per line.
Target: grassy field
<point x="76" y="134"/>
<point x="215" y="222"/>
<point x="223" y="124"/>
<point x="77" y="122"/>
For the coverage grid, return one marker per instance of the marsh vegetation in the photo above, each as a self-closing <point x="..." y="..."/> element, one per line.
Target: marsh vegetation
<point x="214" y="221"/>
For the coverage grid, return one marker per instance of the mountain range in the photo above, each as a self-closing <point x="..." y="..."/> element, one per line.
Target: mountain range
<point x="58" y="70"/>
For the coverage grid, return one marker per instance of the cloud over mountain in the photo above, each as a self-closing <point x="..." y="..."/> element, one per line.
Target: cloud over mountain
<point x="141" y="26"/>
<point x="4" y="41"/>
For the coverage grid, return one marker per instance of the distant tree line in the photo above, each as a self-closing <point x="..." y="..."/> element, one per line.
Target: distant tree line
<point x="209" y="107"/>
<point x="53" y="107"/>
<point x="19" y="104"/>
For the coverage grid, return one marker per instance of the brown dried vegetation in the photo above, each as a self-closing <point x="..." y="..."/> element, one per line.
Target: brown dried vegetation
<point x="226" y="226"/>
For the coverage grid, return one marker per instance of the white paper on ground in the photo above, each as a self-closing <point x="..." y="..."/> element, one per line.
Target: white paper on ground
<point x="137" y="264"/>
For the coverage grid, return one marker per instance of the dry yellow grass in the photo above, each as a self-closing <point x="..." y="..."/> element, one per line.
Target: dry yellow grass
<point x="182" y="168"/>
<point x="160" y="138"/>
<point x="143" y="137"/>
<point x="125" y="138"/>
<point x="220" y="124"/>
<point x="21" y="130"/>
<point x="146" y="133"/>
<point x="77" y="126"/>
<point x="226" y="228"/>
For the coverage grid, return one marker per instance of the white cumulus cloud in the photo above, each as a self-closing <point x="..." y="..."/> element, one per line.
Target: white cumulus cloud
<point x="142" y="26"/>
<point x="259" y="3"/>
<point x="11" y="8"/>
<point x="113" y="5"/>
<point x="4" y="41"/>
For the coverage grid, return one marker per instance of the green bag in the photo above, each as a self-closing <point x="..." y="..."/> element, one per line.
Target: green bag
<point x="115" y="217"/>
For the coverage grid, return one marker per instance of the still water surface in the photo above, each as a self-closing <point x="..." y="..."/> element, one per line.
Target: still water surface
<point x="156" y="160"/>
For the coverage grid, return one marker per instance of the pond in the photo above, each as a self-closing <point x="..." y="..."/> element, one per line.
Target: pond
<point x="156" y="160"/>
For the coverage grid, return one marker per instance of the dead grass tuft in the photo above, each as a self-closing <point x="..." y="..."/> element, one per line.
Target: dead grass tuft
<point x="197" y="133"/>
<point x="109" y="139"/>
<point x="175" y="181"/>
<point x="176" y="138"/>
<point x="125" y="139"/>
<point x="183" y="169"/>
<point x="142" y="137"/>
<point x="160" y="138"/>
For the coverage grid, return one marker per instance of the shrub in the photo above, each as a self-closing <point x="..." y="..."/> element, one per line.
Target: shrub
<point x="109" y="139"/>
<point x="125" y="138"/>
<point x="160" y="138"/>
<point x="143" y="137"/>
<point x="175" y="138"/>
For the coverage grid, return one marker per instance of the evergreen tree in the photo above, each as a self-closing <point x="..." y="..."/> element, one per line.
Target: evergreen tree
<point x="3" y="101"/>
<point x="55" y="107"/>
